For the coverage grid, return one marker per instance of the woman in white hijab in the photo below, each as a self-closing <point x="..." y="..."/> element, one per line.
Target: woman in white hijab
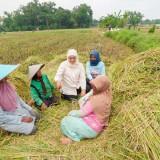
<point x="70" y="77"/>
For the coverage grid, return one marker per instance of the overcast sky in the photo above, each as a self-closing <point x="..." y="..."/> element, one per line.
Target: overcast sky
<point x="150" y="8"/>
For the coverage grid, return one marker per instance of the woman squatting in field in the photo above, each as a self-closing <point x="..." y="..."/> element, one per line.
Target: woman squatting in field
<point x="15" y="115"/>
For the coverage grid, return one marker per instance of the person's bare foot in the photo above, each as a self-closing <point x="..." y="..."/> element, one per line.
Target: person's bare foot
<point x="66" y="141"/>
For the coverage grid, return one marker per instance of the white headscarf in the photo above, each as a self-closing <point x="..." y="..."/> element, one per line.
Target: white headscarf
<point x="72" y="52"/>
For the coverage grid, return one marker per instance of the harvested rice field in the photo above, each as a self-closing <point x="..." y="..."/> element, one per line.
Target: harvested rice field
<point x="134" y="129"/>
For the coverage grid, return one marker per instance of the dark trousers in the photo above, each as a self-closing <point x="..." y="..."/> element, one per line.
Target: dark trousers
<point x="88" y="86"/>
<point x="68" y="97"/>
<point x="48" y="101"/>
<point x="71" y="97"/>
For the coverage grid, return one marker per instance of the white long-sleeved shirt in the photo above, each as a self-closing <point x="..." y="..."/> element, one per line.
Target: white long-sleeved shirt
<point x="71" y="78"/>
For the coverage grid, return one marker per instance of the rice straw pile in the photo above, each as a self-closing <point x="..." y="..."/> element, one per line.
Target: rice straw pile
<point x="32" y="60"/>
<point x="136" y="75"/>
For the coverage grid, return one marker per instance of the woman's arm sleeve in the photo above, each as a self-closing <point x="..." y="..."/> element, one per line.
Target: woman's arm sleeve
<point x="76" y="113"/>
<point x="83" y="112"/>
<point x="83" y="78"/>
<point x="86" y="109"/>
<point x="103" y="69"/>
<point x="89" y="76"/>
<point x="51" y="85"/>
<point x="35" y="96"/>
<point x="9" y="119"/>
<point x="23" y="104"/>
<point x="59" y="74"/>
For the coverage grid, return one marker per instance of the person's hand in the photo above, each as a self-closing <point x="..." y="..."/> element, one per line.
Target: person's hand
<point x="76" y="113"/>
<point x="43" y="106"/>
<point x="90" y="97"/>
<point x="59" y="85"/>
<point x="83" y="92"/>
<point x="73" y="113"/>
<point x="27" y="119"/>
<point x="35" y="113"/>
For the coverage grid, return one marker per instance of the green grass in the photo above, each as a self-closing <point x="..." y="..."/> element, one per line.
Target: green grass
<point x="134" y="128"/>
<point x="138" y="41"/>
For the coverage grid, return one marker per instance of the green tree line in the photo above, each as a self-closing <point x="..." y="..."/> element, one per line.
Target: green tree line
<point x="42" y="16"/>
<point x="131" y="18"/>
<point x="151" y="22"/>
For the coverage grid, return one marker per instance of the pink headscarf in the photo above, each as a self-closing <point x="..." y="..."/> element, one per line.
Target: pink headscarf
<point x="8" y="97"/>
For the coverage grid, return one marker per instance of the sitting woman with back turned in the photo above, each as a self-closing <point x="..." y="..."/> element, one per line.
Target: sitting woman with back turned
<point x="90" y="120"/>
<point x="15" y="115"/>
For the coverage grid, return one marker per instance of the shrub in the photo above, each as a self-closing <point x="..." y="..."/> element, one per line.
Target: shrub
<point x="152" y="29"/>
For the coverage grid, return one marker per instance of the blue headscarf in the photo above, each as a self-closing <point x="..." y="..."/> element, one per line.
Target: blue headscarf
<point x="97" y="56"/>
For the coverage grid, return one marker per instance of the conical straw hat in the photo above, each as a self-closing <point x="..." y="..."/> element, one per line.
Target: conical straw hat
<point x="33" y="70"/>
<point x="5" y="70"/>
